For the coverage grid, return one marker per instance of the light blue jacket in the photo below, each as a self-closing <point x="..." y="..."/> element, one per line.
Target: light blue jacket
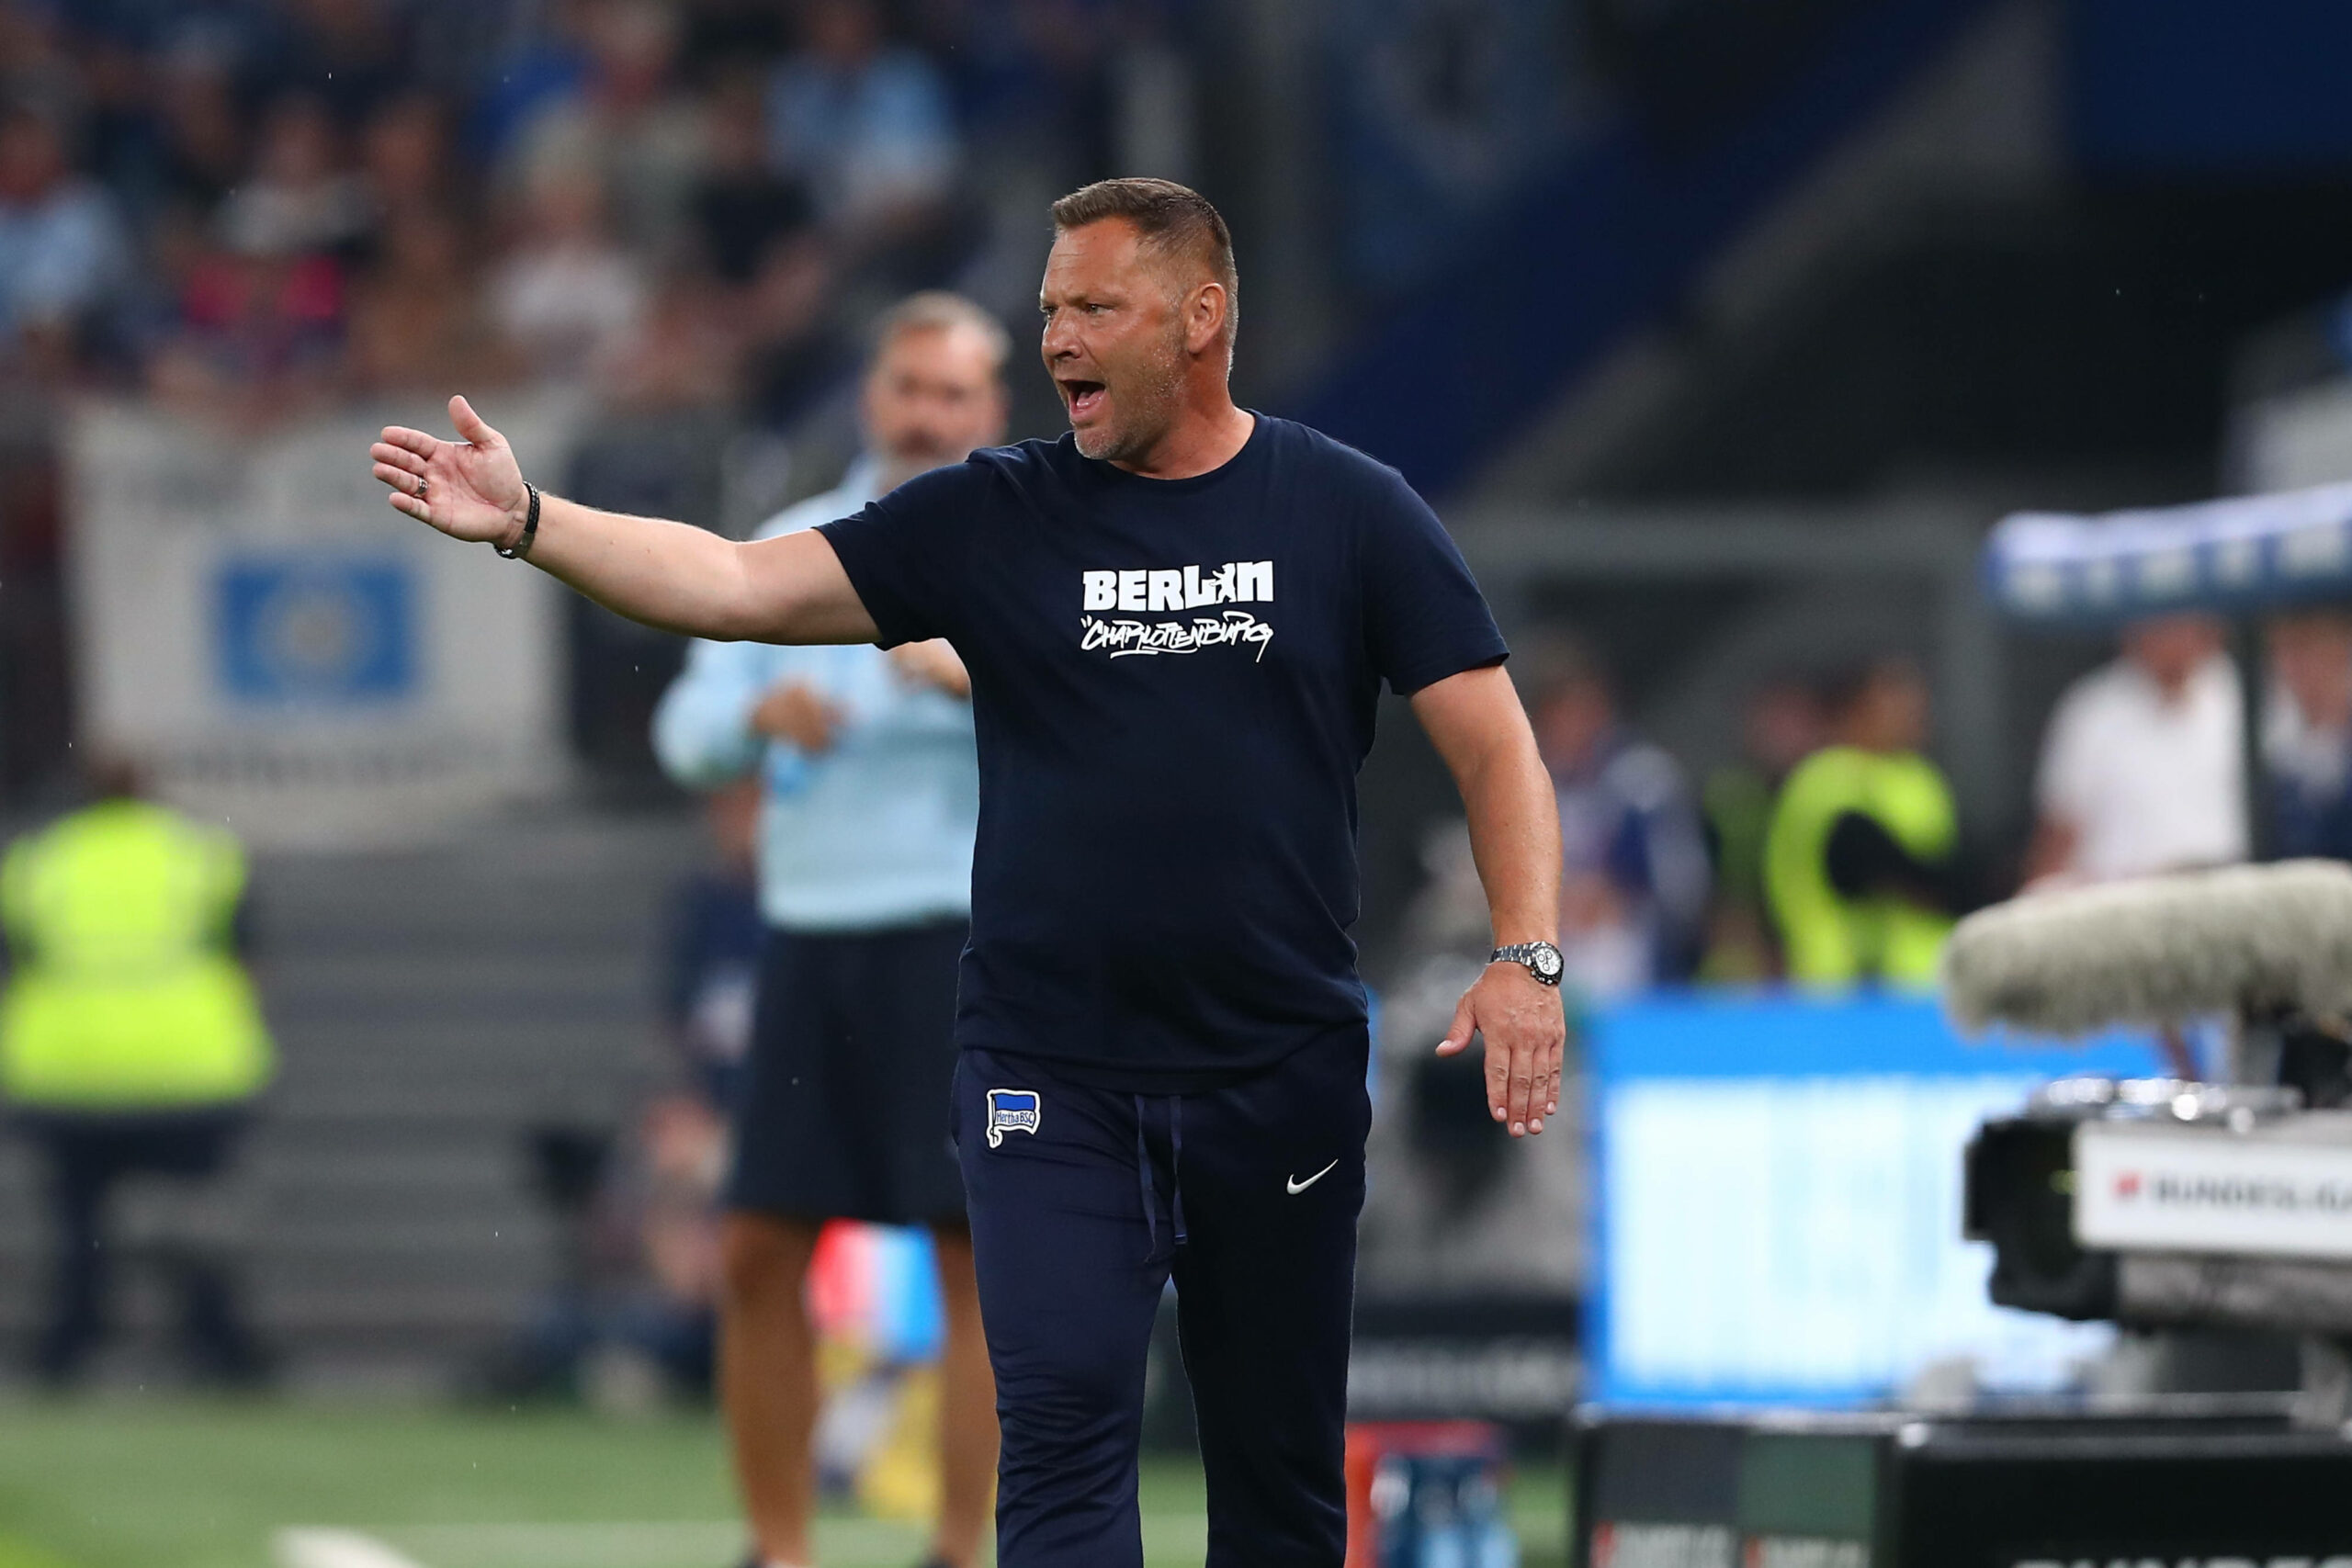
<point x="876" y="832"/>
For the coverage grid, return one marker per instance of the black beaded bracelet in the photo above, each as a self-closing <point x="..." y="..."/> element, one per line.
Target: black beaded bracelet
<point x="530" y="527"/>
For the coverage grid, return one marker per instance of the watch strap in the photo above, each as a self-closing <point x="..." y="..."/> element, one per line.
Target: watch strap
<point x="1531" y="955"/>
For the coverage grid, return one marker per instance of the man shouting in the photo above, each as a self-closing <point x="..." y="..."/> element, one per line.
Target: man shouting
<point x="1176" y="620"/>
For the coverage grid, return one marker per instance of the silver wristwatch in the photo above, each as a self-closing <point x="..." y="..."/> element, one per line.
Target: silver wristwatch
<point x="1540" y="959"/>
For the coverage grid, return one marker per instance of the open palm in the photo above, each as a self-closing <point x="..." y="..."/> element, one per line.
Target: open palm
<point x="469" y="489"/>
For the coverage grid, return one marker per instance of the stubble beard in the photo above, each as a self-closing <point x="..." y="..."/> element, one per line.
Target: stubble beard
<point x="1132" y="436"/>
<point x="1115" y="444"/>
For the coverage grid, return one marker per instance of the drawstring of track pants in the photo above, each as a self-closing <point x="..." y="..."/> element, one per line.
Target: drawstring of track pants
<point x="1175" y="1171"/>
<point x="1176" y="1162"/>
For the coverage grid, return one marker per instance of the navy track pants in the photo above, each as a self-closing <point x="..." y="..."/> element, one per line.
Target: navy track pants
<point x="1083" y="1202"/>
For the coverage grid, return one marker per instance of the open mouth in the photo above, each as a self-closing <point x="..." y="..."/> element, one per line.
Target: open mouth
<point x="1084" y="398"/>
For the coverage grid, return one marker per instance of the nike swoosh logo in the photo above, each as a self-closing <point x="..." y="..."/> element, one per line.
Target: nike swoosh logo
<point x="1293" y="1186"/>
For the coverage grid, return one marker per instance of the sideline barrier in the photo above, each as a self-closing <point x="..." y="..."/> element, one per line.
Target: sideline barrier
<point x="2212" y="1491"/>
<point x="1780" y="1189"/>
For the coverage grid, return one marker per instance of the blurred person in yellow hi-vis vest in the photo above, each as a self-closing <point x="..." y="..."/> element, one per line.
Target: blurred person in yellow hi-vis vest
<point x="1860" y="862"/>
<point x="132" y="1047"/>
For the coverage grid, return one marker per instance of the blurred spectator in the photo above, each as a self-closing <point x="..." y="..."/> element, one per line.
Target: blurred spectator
<point x="255" y="335"/>
<point x="744" y="207"/>
<point x="405" y="161"/>
<point x="349" y="49"/>
<point x="418" y="324"/>
<point x="2141" y="766"/>
<point x="37" y="69"/>
<point x="566" y="295"/>
<point x="1634" y="883"/>
<point x="626" y="124"/>
<point x="1861" y="863"/>
<point x="2307" y="739"/>
<point x="63" y="255"/>
<point x="720" y="33"/>
<point x="1780" y="725"/>
<point x="867" y="123"/>
<point x="792" y="347"/>
<point x="120" y="132"/>
<point x="685" y="354"/>
<point x="256" y="329"/>
<point x="302" y="198"/>
<point x="711" y="956"/>
<point x="131" y="1046"/>
<point x="1065" y="55"/>
<point x="202" y="136"/>
<point x="545" y="62"/>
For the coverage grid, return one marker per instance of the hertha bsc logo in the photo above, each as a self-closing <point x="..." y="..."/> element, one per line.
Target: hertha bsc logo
<point x="1011" y="1111"/>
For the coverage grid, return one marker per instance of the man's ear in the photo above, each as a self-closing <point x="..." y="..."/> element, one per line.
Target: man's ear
<point x="1204" y="317"/>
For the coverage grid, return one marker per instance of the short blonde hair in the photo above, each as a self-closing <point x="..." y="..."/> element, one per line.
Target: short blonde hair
<point x="940" y="310"/>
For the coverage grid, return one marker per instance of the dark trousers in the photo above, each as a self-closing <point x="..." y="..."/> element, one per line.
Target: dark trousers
<point x="842" y="1114"/>
<point x="1084" y="1202"/>
<point x="89" y="1154"/>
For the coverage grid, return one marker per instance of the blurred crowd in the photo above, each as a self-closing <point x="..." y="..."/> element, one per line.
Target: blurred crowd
<point x="1828" y="852"/>
<point x="248" y="205"/>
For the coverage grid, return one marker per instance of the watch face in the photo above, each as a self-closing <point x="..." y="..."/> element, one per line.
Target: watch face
<point x="1547" y="960"/>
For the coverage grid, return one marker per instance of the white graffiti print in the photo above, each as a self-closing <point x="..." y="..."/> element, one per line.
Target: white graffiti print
<point x="1125" y="638"/>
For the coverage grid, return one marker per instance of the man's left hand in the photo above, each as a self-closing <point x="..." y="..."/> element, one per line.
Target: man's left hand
<point x="1526" y="1033"/>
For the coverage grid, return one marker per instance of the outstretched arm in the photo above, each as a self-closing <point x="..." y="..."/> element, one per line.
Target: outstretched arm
<point x="791" y="589"/>
<point x="1477" y="726"/>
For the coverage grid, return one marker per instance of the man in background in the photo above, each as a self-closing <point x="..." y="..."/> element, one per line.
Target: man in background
<point x="1780" y="725"/>
<point x="2141" y="766"/>
<point x="1633" y="874"/>
<point x="131" y="1046"/>
<point x="2307" y="735"/>
<point x="866" y="865"/>
<point x="1861" y="860"/>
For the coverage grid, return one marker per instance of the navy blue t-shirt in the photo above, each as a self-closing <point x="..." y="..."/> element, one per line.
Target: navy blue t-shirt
<point x="1174" y="684"/>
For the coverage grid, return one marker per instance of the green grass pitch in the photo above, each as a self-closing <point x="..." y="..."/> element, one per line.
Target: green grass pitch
<point x="152" y="1483"/>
